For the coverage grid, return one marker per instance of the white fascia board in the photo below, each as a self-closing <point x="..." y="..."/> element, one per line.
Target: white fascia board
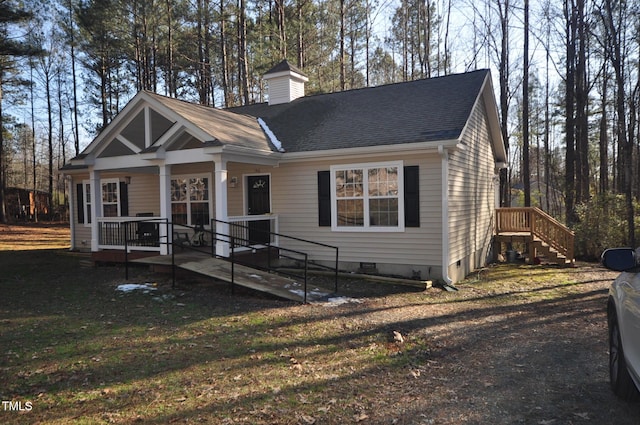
<point x="124" y="117"/>
<point x="87" y="160"/>
<point x="186" y="156"/>
<point x="149" y="156"/>
<point x="119" y="162"/>
<point x="273" y="161"/>
<point x="246" y="155"/>
<point x="385" y="150"/>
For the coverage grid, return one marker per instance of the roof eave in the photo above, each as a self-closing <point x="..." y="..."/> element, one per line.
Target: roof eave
<point x="405" y="148"/>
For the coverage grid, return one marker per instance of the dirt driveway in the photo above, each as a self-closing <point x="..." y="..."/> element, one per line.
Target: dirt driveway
<point x="516" y="344"/>
<point x="531" y="349"/>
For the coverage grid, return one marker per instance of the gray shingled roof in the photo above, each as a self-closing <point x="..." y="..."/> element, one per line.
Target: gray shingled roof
<point x="417" y="111"/>
<point x="224" y="127"/>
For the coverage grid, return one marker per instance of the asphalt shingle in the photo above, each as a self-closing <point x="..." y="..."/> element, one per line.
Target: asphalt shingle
<point x="416" y="111"/>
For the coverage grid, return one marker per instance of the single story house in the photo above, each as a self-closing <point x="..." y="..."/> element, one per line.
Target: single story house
<point x="403" y="178"/>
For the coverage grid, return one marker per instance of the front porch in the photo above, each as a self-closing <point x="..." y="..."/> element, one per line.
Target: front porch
<point x="159" y="235"/>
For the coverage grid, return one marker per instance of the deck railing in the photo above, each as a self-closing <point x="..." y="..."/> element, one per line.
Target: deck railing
<point x="539" y="224"/>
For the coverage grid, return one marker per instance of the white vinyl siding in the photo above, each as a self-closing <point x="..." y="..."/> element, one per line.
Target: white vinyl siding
<point x="471" y="197"/>
<point x="144" y="194"/>
<point x="295" y="200"/>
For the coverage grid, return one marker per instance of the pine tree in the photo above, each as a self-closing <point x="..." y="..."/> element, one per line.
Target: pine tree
<point x="10" y="49"/>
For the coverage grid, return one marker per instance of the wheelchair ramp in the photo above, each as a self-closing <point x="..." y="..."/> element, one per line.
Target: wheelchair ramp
<point x="244" y="276"/>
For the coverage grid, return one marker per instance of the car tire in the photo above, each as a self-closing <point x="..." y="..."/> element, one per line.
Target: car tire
<point x="621" y="382"/>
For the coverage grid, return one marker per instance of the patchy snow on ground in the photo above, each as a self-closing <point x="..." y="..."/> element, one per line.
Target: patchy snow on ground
<point x="129" y="287"/>
<point x="336" y="301"/>
<point x="317" y="294"/>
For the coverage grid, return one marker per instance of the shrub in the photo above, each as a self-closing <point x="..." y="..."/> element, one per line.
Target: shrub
<point x="601" y="224"/>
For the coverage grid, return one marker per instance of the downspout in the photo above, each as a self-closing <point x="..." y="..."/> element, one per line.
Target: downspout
<point x="72" y="213"/>
<point x="444" y="155"/>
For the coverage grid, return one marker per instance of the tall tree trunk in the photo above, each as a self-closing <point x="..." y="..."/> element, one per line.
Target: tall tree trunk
<point x="615" y="50"/>
<point x="61" y="141"/>
<point x="33" y="147"/>
<point x="526" y="175"/>
<point x="3" y="210"/>
<point x="505" y="197"/>
<point x="604" y="141"/>
<point x="223" y="57"/>
<point x="300" y="36"/>
<point x="243" y="72"/>
<point x="282" y="33"/>
<point x="569" y="116"/>
<point x="427" y="37"/>
<point x="342" y="51"/>
<point x="50" y="140"/>
<point x="74" y="80"/>
<point x="547" y="153"/>
<point x="202" y="90"/>
<point x="582" y="101"/>
<point x="446" y="41"/>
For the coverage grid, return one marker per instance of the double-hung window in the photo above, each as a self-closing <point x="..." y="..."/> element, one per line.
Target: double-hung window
<point x="190" y="196"/>
<point x="367" y="197"/>
<point x="110" y="196"/>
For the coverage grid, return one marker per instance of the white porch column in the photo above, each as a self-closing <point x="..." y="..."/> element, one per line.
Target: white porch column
<point x="165" y="207"/>
<point x="222" y="247"/>
<point x="96" y="207"/>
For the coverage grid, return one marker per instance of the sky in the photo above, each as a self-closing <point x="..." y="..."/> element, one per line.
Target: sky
<point x="460" y="30"/>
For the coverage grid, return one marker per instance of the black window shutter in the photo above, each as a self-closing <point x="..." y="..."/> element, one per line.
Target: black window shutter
<point x="324" y="198"/>
<point x="80" y="200"/>
<point x="124" y="199"/>
<point x="411" y="196"/>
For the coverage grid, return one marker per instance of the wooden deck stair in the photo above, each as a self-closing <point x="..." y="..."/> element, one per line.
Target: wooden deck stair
<point x="244" y="276"/>
<point x="542" y="234"/>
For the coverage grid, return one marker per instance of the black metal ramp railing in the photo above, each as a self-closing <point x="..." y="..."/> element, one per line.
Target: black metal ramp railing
<point x="249" y="244"/>
<point x="250" y="239"/>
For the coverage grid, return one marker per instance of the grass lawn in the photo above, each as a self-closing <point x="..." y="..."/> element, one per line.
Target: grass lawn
<point x="74" y="350"/>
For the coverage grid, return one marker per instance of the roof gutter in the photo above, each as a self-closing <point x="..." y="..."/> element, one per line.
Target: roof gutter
<point x="417" y="147"/>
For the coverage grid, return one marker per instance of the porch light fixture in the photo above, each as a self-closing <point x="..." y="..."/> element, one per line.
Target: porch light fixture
<point x="127" y="179"/>
<point x="233" y="182"/>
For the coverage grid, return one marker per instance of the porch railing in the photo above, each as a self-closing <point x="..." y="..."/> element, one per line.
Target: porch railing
<point x="136" y="232"/>
<point x="539" y="224"/>
<point x="258" y="229"/>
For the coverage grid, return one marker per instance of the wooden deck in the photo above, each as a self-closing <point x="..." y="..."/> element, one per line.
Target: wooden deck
<point x="244" y="276"/>
<point x="539" y="231"/>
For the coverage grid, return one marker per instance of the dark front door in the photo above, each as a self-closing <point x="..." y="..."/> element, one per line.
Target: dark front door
<point x="258" y="202"/>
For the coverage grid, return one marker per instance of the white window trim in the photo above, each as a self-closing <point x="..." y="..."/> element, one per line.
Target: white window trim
<point x="118" y="203"/>
<point x="208" y="176"/>
<point x="87" y="205"/>
<point x="366" y="227"/>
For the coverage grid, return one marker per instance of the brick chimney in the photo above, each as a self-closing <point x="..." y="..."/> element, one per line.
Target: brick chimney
<point x="285" y="83"/>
